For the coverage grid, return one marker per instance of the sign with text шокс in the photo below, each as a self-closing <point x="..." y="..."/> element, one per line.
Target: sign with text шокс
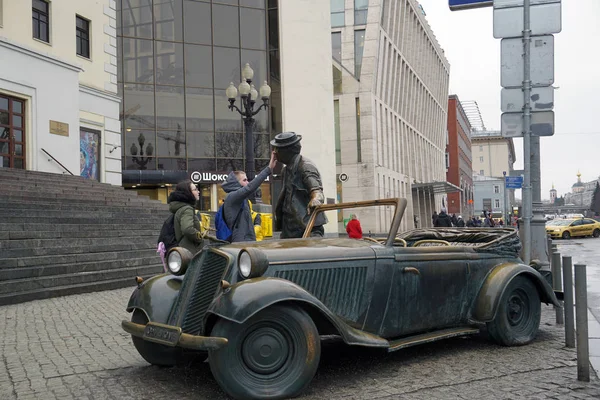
<point x="465" y="4"/>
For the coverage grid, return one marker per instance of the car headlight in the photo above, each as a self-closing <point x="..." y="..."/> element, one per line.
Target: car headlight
<point x="252" y="263"/>
<point x="178" y="259"/>
<point x="557" y="230"/>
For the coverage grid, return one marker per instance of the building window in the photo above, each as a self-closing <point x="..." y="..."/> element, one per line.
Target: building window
<point x="447" y="160"/>
<point x="359" y="43"/>
<point x="496" y="189"/>
<point x="41" y="20"/>
<point x="358" y="136"/>
<point x="12" y="132"/>
<point x="480" y="148"/>
<point x="481" y="172"/>
<point x="361" y="7"/>
<point x="337" y="13"/>
<point x="338" y="140"/>
<point x="496" y="203"/>
<point x="480" y="159"/>
<point x="83" y="36"/>
<point x="336" y="46"/>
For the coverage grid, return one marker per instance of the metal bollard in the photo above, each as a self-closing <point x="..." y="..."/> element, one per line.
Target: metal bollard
<point x="557" y="285"/>
<point x="583" y="346"/>
<point x="567" y="265"/>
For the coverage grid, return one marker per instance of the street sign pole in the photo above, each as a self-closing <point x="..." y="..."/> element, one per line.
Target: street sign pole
<point x="527" y="205"/>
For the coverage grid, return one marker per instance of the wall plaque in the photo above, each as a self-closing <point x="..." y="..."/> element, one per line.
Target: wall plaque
<point x="59" y="128"/>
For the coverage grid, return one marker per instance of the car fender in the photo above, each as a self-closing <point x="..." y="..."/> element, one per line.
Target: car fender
<point x="146" y="297"/>
<point x="244" y="299"/>
<point x="488" y="299"/>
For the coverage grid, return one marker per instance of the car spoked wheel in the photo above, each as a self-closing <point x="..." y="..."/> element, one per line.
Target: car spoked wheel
<point x="596" y="233"/>
<point x="566" y="235"/>
<point x="518" y="317"/>
<point x="273" y="355"/>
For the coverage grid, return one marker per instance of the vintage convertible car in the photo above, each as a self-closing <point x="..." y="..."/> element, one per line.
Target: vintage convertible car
<point x="259" y="309"/>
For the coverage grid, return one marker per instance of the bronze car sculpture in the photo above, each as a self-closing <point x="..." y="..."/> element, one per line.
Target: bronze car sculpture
<point x="259" y="308"/>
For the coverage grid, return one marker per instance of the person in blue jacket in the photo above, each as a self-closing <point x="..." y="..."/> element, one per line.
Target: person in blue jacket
<point x="236" y="211"/>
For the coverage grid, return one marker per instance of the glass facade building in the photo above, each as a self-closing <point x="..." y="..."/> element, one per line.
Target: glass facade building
<point x="175" y="59"/>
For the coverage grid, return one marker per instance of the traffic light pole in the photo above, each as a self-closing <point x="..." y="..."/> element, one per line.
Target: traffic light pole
<point x="527" y="198"/>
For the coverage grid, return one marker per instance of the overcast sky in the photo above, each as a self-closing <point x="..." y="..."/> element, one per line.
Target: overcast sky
<point x="467" y="39"/>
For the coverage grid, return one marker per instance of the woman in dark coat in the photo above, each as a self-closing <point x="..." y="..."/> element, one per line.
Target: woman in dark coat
<point x="187" y="226"/>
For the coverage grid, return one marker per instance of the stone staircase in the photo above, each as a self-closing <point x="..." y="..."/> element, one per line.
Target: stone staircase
<point x="63" y="235"/>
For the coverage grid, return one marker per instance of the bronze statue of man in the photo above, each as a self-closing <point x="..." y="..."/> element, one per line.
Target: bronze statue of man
<point x="302" y="189"/>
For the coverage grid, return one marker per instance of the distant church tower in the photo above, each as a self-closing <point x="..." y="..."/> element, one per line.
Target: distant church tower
<point x="578" y="186"/>
<point x="552" y="194"/>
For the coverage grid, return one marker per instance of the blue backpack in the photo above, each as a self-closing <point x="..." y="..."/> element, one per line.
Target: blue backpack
<point x="223" y="230"/>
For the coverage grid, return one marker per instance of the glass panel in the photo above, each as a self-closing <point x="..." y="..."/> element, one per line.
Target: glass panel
<point x="170" y="108"/>
<point x="261" y="120"/>
<point x="261" y="146"/>
<point x="273" y="30"/>
<point x="167" y="20"/>
<point x="198" y="66"/>
<point x="337" y="6"/>
<point x="230" y="164"/>
<point x="337" y="81"/>
<point x="17" y="121"/>
<point x="4" y="132"/>
<point x="272" y="3"/>
<point x="337" y="20"/>
<point x="170" y="143"/>
<point x="253" y="3"/>
<point x="4" y="161"/>
<point x="226" y="26"/>
<point x="201" y="144"/>
<point x="140" y="163"/>
<point x="169" y="63"/>
<point x="226" y="120"/>
<point x="336" y="125"/>
<point x="138" y="59"/>
<point x="119" y="59"/>
<point x="360" y="17"/>
<point x="137" y="18"/>
<point x="359" y="42"/>
<point x="172" y="164"/>
<point x="274" y="64"/>
<point x="199" y="110"/>
<point x="336" y="46"/>
<point x="229" y="144"/>
<point x="138" y="106"/>
<point x="19" y="163"/>
<point x="4" y="147"/>
<point x="227" y="67"/>
<point x="18" y="149"/>
<point x="258" y="62"/>
<point x="202" y="164"/>
<point x="232" y="2"/>
<point x="40" y="5"/>
<point x="3" y="103"/>
<point x="4" y="117"/>
<point x="197" y="22"/>
<point x="17" y="134"/>
<point x="361" y="4"/>
<point x="253" y="28"/>
<point x="140" y="143"/>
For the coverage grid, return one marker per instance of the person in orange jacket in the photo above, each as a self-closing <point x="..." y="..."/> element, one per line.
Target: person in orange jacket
<point x="353" y="228"/>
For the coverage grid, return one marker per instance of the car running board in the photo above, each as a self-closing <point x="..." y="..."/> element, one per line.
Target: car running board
<point x="430" y="337"/>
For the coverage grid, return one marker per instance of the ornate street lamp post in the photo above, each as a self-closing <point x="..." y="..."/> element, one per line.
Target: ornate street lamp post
<point x="248" y="95"/>
<point x="141" y="161"/>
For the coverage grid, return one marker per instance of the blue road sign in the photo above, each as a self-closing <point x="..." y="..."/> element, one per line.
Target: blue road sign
<point x="464" y="4"/>
<point x="513" y="182"/>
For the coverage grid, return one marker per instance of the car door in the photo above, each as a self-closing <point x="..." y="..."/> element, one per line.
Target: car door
<point x="588" y="227"/>
<point x="428" y="290"/>
<point x="576" y="228"/>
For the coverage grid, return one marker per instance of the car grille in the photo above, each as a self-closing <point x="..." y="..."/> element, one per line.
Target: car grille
<point x="340" y="289"/>
<point x="204" y="284"/>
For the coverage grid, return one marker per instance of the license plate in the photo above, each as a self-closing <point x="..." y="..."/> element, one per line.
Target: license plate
<point x="163" y="334"/>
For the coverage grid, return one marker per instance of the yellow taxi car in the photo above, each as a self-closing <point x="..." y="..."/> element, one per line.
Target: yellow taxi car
<point x="567" y="228"/>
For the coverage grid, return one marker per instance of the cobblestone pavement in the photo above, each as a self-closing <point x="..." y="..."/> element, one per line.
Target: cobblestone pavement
<point x="73" y="348"/>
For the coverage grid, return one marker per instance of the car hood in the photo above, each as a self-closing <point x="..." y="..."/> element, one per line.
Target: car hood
<point x="307" y="249"/>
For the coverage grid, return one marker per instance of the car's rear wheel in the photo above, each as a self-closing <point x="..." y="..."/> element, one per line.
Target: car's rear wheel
<point x="273" y="355"/>
<point x="518" y="317"/>
<point x="159" y="354"/>
<point x="596" y="233"/>
<point x="566" y="235"/>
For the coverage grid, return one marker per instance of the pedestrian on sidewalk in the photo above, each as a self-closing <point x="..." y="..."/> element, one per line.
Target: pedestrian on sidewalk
<point x="187" y="225"/>
<point x="443" y="219"/>
<point x="353" y="228"/>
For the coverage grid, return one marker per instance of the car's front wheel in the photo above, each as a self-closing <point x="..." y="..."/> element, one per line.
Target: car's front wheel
<point x="159" y="354"/>
<point x="518" y="317"/>
<point x="273" y="355"/>
<point x="596" y="233"/>
<point x="566" y="235"/>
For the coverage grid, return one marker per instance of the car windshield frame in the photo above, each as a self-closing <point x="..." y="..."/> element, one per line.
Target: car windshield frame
<point x="399" y="205"/>
<point x="560" y="222"/>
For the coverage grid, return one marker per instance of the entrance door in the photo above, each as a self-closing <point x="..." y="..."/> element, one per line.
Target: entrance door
<point x="12" y="132"/>
<point x="89" y="154"/>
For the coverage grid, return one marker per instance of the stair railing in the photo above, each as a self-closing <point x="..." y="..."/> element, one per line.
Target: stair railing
<point x="56" y="161"/>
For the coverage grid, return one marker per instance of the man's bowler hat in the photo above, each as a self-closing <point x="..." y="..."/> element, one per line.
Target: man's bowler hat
<point x="285" y="139"/>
